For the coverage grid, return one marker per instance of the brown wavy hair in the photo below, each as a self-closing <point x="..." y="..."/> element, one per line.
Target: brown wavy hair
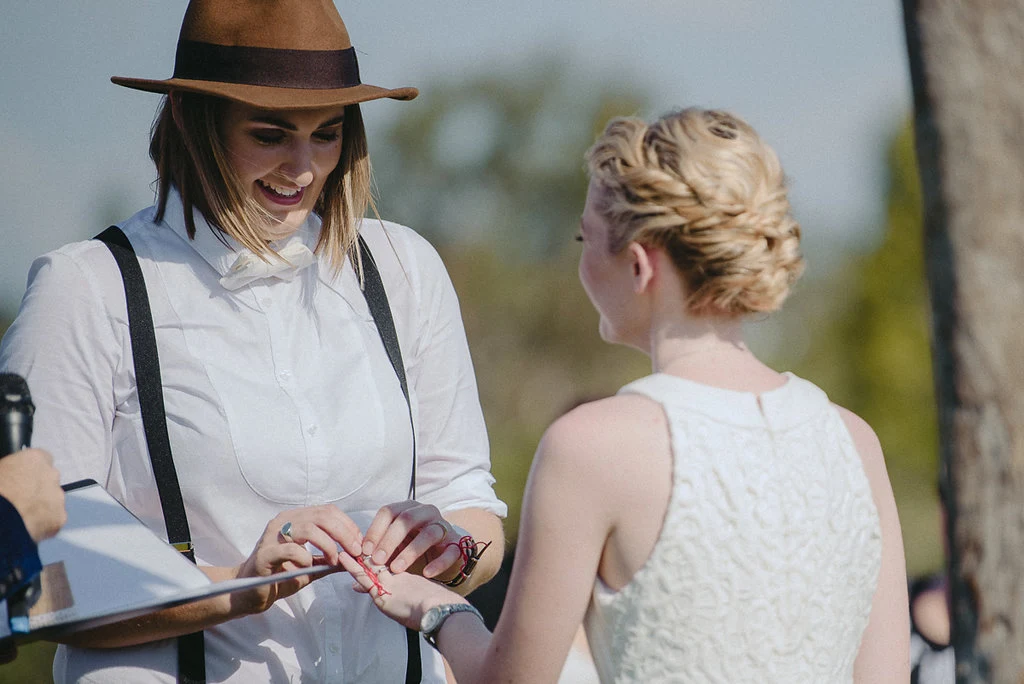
<point x="190" y="156"/>
<point x="701" y="185"/>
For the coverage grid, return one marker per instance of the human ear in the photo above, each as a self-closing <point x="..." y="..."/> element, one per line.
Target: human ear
<point x="642" y="263"/>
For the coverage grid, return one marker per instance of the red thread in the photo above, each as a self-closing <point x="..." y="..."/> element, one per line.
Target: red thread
<point x="470" y="550"/>
<point x="381" y="591"/>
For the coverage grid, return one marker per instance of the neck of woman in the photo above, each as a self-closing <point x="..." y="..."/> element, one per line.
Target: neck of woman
<point x="674" y="342"/>
<point x="710" y="351"/>
<point x="705" y="348"/>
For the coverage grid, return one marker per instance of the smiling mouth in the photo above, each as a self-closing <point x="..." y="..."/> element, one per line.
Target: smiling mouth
<point x="279" y="194"/>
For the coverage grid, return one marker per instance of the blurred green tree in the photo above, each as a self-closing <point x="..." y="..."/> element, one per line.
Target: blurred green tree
<point x="491" y="171"/>
<point x="497" y="160"/>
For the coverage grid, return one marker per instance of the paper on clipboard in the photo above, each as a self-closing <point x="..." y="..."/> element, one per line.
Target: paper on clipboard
<point x="105" y="566"/>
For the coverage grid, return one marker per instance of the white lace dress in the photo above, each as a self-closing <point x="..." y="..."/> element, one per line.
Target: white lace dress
<point x="769" y="554"/>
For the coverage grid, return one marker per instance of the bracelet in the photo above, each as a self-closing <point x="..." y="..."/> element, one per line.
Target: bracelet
<point x="471" y="551"/>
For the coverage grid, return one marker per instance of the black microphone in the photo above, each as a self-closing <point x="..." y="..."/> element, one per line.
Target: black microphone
<point x="16" y="409"/>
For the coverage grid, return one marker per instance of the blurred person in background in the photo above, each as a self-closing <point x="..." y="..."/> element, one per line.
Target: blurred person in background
<point x="932" y="660"/>
<point x="294" y="428"/>
<point x="716" y="521"/>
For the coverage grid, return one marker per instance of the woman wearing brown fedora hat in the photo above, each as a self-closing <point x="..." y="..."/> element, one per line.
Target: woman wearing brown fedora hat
<point x="250" y="349"/>
<point x="715" y="521"/>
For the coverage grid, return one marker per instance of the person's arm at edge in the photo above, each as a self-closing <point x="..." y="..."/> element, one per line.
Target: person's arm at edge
<point x="19" y="558"/>
<point x="32" y="509"/>
<point x="884" y="654"/>
<point x="564" y="526"/>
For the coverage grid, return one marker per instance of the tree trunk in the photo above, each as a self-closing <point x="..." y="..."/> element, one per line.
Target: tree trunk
<point x="967" y="67"/>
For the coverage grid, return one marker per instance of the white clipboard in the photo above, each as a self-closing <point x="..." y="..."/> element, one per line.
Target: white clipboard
<point x="106" y="566"/>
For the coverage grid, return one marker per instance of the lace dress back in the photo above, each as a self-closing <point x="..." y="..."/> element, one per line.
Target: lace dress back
<point x="769" y="553"/>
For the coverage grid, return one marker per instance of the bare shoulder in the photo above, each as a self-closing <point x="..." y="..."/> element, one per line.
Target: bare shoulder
<point x="862" y="433"/>
<point x="868" y="446"/>
<point x="605" y="449"/>
<point x="602" y="428"/>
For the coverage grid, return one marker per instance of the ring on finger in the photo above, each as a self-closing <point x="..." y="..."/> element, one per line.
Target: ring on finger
<point x="445" y="527"/>
<point x="286" y="531"/>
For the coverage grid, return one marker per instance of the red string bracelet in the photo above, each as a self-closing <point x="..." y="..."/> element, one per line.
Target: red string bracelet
<point x="381" y="591"/>
<point x="471" y="551"/>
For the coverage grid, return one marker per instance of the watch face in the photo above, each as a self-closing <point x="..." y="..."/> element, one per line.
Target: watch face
<point x="430" y="620"/>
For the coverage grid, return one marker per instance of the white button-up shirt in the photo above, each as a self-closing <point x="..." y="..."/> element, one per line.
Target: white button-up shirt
<point x="278" y="394"/>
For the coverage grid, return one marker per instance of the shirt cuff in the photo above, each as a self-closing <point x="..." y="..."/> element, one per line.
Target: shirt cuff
<point x="472" y="490"/>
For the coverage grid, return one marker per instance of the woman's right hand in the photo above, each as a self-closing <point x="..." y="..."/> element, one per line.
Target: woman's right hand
<point x="324" y="527"/>
<point x="404" y="597"/>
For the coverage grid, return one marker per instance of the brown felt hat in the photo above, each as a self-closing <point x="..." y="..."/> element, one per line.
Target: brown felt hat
<point x="272" y="54"/>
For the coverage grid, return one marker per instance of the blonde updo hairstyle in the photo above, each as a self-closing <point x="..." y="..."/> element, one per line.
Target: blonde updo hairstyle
<point x="701" y="185"/>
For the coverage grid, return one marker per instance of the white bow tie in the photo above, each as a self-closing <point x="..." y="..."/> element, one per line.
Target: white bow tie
<point x="249" y="267"/>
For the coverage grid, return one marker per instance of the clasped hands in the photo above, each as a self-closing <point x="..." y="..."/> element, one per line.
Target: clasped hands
<point x="404" y="536"/>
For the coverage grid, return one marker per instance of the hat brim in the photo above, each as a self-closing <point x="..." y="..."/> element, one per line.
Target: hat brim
<point x="270" y="97"/>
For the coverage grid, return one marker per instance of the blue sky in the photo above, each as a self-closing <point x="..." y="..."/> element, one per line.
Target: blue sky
<point x="824" y="81"/>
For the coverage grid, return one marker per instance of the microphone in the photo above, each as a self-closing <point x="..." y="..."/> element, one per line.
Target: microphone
<point x="16" y="409"/>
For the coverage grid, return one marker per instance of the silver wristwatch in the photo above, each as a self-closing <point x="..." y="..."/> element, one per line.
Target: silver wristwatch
<point x="433" y="619"/>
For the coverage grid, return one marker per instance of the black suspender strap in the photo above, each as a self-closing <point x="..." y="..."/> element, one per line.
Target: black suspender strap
<point x="191" y="649"/>
<point x="377" y="301"/>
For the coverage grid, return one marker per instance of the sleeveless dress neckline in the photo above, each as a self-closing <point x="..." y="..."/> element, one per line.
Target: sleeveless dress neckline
<point x="780" y="408"/>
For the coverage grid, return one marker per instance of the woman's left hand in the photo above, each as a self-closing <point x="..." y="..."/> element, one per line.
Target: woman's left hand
<point x="405" y="597"/>
<point x="403" y="533"/>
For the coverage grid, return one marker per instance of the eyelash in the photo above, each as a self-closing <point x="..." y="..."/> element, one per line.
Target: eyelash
<point x="268" y="137"/>
<point x="276" y="137"/>
<point x="328" y="136"/>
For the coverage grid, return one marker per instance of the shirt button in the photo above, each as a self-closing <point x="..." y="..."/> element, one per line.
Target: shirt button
<point x="285" y="374"/>
<point x="334" y="649"/>
<point x="312" y="430"/>
<point x="267" y="302"/>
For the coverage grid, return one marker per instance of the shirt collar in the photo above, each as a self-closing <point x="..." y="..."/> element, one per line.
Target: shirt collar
<point x="221" y="252"/>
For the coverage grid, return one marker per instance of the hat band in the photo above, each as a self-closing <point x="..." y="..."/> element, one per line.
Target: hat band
<point x="259" y="66"/>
